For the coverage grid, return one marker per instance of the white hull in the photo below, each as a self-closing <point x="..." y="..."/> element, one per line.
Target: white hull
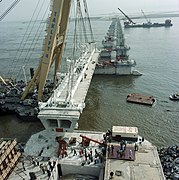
<point x="120" y="69"/>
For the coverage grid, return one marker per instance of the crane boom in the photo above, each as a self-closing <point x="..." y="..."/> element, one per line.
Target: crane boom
<point x="145" y="16"/>
<point x="53" y="46"/>
<point x="129" y="19"/>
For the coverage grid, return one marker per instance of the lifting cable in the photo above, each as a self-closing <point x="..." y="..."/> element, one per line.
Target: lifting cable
<point x="8" y="9"/>
<point x="79" y="20"/>
<point x="34" y="42"/>
<point x="22" y="44"/>
<point x="89" y="22"/>
<point x="10" y="71"/>
<point x="28" y="36"/>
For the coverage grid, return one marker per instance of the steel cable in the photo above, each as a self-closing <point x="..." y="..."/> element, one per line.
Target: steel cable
<point x="34" y="42"/>
<point x="9" y="9"/>
<point x="10" y="72"/>
<point x="30" y="34"/>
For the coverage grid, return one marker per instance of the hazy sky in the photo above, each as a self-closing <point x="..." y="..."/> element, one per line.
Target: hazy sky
<point x="25" y="8"/>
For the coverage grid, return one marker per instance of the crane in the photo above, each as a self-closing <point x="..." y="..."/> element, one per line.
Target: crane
<point x="53" y="46"/>
<point x="129" y="19"/>
<point x="148" y="21"/>
<point x="86" y="140"/>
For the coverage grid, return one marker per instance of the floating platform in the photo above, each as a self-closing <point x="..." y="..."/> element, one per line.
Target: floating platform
<point x="141" y="99"/>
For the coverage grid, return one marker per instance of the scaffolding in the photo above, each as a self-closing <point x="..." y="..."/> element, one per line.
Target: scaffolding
<point x="9" y="156"/>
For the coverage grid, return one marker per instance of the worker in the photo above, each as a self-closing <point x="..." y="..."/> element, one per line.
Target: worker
<point x="108" y="149"/>
<point x="111" y="175"/>
<point x="136" y="147"/>
<point x="112" y="148"/>
<point x="43" y="170"/>
<point x="130" y="154"/>
<point x="23" y="165"/>
<point x="48" y="173"/>
<point x="75" y="153"/>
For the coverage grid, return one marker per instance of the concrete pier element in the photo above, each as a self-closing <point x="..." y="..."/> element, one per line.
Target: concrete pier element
<point x="65" y="105"/>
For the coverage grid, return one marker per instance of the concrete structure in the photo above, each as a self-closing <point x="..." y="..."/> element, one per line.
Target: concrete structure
<point x="65" y="105"/>
<point x="120" y="64"/>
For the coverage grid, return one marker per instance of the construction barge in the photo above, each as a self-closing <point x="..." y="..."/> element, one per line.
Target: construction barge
<point x="141" y="99"/>
<point x="89" y="155"/>
<point x="129" y="23"/>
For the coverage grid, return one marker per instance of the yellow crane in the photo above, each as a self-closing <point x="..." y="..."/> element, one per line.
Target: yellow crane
<point x="53" y="47"/>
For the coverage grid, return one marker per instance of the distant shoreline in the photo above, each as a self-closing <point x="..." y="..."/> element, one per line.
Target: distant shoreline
<point x="136" y="17"/>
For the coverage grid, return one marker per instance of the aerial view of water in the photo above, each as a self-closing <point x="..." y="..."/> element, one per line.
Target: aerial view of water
<point x="157" y="55"/>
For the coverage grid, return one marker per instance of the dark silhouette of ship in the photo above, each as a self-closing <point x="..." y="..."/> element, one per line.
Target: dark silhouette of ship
<point x="130" y="24"/>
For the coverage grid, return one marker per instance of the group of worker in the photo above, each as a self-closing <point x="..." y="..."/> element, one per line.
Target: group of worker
<point x="108" y="136"/>
<point x="88" y="155"/>
<point x="45" y="168"/>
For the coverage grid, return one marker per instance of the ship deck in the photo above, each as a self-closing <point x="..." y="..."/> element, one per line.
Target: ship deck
<point x="141" y="164"/>
<point x="43" y="148"/>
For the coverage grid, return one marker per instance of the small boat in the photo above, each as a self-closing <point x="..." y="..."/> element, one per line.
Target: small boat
<point x="174" y="97"/>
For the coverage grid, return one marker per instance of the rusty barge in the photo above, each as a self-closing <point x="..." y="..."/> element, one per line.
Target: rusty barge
<point x="141" y="99"/>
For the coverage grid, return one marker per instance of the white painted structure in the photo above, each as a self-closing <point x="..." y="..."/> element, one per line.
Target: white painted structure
<point x="120" y="64"/>
<point x="65" y="105"/>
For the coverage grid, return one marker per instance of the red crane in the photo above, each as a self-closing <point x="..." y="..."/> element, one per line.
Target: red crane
<point x="86" y="140"/>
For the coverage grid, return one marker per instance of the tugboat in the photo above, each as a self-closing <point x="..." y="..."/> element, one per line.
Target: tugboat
<point x="174" y="97"/>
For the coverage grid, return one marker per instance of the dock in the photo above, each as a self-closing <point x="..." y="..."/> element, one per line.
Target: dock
<point x="141" y="99"/>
